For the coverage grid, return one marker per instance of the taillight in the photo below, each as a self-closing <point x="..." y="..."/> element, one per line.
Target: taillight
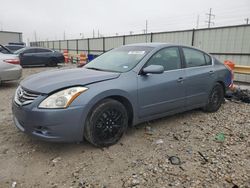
<point x="12" y="61"/>
<point x="230" y="66"/>
<point x="231" y="79"/>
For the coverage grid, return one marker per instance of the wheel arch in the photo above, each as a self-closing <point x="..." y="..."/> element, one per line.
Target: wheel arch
<point x="223" y="85"/>
<point x="127" y="104"/>
<point x="117" y="95"/>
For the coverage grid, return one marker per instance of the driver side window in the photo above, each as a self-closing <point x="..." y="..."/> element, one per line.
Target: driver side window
<point x="169" y="58"/>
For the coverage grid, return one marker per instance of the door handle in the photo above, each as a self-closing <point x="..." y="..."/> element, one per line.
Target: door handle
<point x="211" y="72"/>
<point x="180" y="79"/>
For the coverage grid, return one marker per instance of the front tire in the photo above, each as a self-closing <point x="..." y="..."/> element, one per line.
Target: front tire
<point x="106" y="123"/>
<point x="215" y="99"/>
<point x="52" y="63"/>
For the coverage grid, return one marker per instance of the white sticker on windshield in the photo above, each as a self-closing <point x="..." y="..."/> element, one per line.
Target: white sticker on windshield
<point x="136" y="52"/>
<point x="125" y="66"/>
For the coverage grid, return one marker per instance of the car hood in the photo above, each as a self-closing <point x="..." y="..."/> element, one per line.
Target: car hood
<point x="49" y="81"/>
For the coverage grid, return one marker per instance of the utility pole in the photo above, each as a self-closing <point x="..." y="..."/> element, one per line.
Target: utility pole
<point x="146" y="31"/>
<point x="1" y="26"/>
<point x="35" y="36"/>
<point x="93" y="33"/>
<point x="210" y="17"/>
<point x="98" y="34"/>
<point x="198" y="21"/>
<point x="64" y="36"/>
<point x="247" y="20"/>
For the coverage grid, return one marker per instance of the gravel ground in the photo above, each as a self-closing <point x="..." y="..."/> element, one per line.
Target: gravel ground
<point x="192" y="149"/>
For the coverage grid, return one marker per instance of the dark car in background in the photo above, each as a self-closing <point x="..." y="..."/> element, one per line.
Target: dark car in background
<point x="14" y="47"/>
<point x="125" y="86"/>
<point x="39" y="56"/>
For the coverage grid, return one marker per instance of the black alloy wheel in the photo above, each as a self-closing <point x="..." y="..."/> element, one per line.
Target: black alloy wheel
<point x="106" y="124"/>
<point x="215" y="99"/>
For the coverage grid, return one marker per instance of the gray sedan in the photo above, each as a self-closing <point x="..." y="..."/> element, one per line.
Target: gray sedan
<point x="10" y="68"/>
<point x="123" y="87"/>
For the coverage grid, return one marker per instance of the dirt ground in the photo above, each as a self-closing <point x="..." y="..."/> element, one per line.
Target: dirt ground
<point x="210" y="150"/>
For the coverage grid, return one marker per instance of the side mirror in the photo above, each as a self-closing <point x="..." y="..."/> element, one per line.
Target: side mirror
<point x="153" y="69"/>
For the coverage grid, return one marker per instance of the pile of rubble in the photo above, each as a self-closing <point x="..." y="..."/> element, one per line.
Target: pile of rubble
<point x="239" y="94"/>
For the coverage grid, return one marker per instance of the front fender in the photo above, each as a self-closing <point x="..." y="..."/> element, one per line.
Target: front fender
<point x="108" y="89"/>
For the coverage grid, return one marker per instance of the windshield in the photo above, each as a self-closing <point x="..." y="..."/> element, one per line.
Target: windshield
<point x="120" y="59"/>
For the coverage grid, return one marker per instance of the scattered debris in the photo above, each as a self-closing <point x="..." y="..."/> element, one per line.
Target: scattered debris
<point x="239" y="95"/>
<point x="189" y="150"/>
<point x="175" y="137"/>
<point x="160" y="141"/>
<point x="229" y="179"/>
<point x="203" y="156"/>
<point x="174" y="160"/>
<point x="220" y="137"/>
<point x="57" y="159"/>
<point x="149" y="130"/>
<point x="235" y="186"/>
<point x="135" y="182"/>
<point x="13" y="184"/>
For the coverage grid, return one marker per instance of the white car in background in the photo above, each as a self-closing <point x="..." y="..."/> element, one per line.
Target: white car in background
<point x="10" y="68"/>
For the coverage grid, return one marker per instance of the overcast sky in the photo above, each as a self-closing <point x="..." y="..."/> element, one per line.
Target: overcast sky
<point x="50" y="19"/>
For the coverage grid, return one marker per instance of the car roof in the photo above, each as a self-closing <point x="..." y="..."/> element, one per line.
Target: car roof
<point x="151" y="44"/>
<point x="162" y="45"/>
<point x="26" y="48"/>
<point x="15" y="45"/>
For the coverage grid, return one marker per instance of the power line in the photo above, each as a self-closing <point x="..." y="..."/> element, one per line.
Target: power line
<point x="210" y="17"/>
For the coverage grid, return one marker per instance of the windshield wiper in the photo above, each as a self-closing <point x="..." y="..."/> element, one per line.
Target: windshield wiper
<point x="93" y="68"/>
<point x="106" y="70"/>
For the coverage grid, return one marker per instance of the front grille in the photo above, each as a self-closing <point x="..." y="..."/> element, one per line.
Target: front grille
<point x="24" y="97"/>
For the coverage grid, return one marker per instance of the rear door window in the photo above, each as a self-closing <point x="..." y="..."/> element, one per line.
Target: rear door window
<point x="28" y="51"/>
<point x="41" y="50"/>
<point x="194" y="58"/>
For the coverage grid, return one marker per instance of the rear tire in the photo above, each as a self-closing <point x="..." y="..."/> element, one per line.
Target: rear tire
<point x="106" y="123"/>
<point x="52" y="63"/>
<point x="215" y="99"/>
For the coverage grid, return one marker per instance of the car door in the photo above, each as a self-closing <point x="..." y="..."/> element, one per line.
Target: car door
<point x="42" y="55"/>
<point x="27" y="57"/>
<point x="161" y="93"/>
<point x="199" y="76"/>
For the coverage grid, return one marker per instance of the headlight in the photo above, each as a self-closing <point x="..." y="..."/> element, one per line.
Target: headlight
<point x="63" y="98"/>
